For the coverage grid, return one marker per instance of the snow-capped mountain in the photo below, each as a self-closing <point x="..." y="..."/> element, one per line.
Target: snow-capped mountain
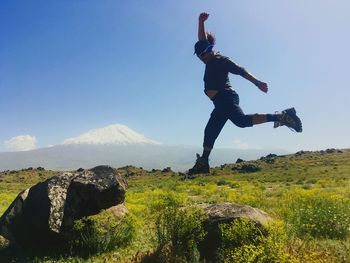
<point x="112" y="134"/>
<point x="117" y="145"/>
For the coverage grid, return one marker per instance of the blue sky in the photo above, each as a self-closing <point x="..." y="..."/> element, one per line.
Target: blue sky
<point x="70" y="66"/>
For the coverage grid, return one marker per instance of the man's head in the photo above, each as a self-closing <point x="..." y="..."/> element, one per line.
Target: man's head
<point x="203" y="49"/>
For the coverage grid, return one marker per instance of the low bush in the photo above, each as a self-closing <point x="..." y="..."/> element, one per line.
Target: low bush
<point x="179" y="231"/>
<point x="316" y="213"/>
<point x="161" y="199"/>
<point x="248" y="194"/>
<point x="243" y="241"/>
<point x="5" y="200"/>
<point x="101" y="233"/>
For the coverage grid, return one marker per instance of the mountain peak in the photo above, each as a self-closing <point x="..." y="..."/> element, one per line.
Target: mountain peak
<point x="112" y="134"/>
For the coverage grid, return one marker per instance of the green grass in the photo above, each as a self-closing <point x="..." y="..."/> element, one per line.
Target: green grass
<point x="309" y="194"/>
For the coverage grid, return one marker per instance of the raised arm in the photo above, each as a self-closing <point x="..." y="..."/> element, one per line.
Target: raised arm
<point x="201" y="30"/>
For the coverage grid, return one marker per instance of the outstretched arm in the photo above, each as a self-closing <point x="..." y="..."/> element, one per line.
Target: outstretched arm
<point x="201" y="30"/>
<point x="260" y="84"/>
<point x="238" y="70"/>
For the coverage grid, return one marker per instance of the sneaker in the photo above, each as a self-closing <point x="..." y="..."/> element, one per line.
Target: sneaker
<point x="201" y="166"/>
<point x="290" y="119"/>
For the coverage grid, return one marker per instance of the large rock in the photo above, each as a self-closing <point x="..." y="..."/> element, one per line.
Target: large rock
<point x="44" y="213"/>
<point x="220" y="213"/>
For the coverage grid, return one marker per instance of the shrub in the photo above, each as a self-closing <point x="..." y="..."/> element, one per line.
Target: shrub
<point x="5" y="200"/>
<point x="248" y="194"/>
<point x="244" y="241"/>
<point x="179" y="231"/>
<point x="101" y="233"/>
<point x="317" y="213"/>
<point x="222" y="182"/>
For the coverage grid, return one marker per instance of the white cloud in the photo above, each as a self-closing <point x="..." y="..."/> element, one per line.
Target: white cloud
<point x="243" y="145"/>
<point x="21" y="143"/>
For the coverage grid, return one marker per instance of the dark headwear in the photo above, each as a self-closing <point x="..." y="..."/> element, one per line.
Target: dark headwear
<point x="202" y="46"/>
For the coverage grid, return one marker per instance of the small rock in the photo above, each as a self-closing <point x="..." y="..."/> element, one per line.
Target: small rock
<point x="270" y="158"/>
<point x="247" y="168"/>
<point x="167" y="170"/>
<point x="239" y="160"/>
<point x="118" y="210"/>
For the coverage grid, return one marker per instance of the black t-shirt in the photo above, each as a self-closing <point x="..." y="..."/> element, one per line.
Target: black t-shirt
<point x="216" y="72"/>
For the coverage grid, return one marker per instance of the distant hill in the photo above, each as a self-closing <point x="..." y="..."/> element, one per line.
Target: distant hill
<point x="147" y="155"/>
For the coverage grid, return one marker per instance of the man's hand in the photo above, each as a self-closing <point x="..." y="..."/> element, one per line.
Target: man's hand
<point x="203" y="17"/>
<point x="262" y="86"/>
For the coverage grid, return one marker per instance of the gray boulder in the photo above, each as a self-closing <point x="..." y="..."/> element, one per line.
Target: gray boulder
<point x="220" y="213"/>
<point x="44" y="213"/>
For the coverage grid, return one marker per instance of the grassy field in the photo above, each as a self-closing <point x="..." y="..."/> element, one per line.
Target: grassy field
<point x="307" y="193"/>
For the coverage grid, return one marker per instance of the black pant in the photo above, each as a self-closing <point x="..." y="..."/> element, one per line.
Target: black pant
<point x="226" y="104"/>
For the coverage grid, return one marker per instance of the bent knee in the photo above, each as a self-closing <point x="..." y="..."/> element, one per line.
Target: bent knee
<point x="244" y="121"/>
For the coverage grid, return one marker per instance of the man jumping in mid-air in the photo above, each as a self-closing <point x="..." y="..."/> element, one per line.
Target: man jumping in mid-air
<point x="226" y="101"/>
